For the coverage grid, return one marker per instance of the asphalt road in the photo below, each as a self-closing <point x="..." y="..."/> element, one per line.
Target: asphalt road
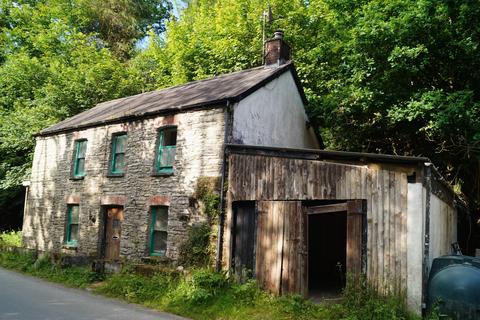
<point x="26" y="298"/>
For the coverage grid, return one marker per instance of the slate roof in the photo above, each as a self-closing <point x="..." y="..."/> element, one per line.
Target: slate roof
<point x="197" y="94"/>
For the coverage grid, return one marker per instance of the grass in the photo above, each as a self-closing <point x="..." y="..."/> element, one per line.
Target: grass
<point x="76" y="277"/>
<point x="204" y="294"/>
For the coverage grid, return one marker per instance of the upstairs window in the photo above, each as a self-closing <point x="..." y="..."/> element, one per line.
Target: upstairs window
<point x="167" y="146"/>
<point x="119" y="144"/>
<point x="72" y="224"/>
<point x="79" y="158"/>
<point x="158" y="231"/>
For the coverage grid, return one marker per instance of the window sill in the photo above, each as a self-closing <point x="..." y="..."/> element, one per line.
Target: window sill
<point x="115" y="175"/>
<point x="73" y="247"/>
<point x="77" y="178"/>
<point x="163" y="174"/>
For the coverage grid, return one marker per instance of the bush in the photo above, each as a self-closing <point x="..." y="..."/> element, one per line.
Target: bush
<point x="195" y="250"/>
<point x="11" y="239"/>
<point x="78" y="277"/>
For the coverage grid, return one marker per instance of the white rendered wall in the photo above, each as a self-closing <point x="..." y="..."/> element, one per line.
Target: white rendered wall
<point x="443" y="228"/>
<point x="415" y="244"/>
<point x="274" y="115"/>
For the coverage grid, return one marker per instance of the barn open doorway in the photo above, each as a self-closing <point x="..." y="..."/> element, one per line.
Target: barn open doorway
<point x="337" y="238"/>
<point x="327" y="239"/>
<point x="244" y="233"/>
<point x="327" y="250"/>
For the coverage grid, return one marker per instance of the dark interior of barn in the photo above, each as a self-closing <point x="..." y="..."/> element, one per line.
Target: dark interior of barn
<point x="327" y="235"/>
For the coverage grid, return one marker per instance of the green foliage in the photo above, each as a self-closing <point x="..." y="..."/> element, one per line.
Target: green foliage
<point x="11" y="238"/>
<point x="363" y="301"/>
<point x="397" y="76"/>
<point x="204" y="294"/>
<point x="78" y="277"/>
<point x="196" y="250"/>
<point x="207" y="194"/>
<point x="58" y="58"/>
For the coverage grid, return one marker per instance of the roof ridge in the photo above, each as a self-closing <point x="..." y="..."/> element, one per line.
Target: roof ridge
<point x="189" y="83"/>
<point x="204" y="92"/>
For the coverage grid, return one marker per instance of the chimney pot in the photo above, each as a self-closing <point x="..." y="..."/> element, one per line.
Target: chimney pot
<point x="278" y="34"/>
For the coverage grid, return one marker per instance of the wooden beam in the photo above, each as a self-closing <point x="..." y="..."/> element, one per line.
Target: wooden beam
<point x="328" y="208"/>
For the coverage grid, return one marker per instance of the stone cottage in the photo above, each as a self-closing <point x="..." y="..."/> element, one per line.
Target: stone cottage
<point x="116" y="181"/>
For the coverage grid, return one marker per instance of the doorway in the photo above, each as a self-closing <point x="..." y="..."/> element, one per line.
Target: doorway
<point x="113" y="232"/>
<point x="327" y="254"/>
<point x="244" y="226"/>
<point x="336" y="243"/>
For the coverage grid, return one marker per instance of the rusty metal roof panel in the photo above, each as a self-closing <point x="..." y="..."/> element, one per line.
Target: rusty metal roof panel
<point x="232" y="86"/>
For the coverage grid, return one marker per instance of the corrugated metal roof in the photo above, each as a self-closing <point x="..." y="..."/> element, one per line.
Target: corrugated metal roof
<point x="208" y="92"/>
<point x="316" y="154"/>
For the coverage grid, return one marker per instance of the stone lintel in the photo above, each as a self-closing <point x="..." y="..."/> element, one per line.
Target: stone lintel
<point x="159" y="200"/>
<point x="113" y="200"/>
<point x="72" y="199"/>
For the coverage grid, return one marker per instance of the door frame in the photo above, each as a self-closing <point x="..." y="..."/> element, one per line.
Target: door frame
<point x="233" y="235"/>
<point x="352" y="207"/>
<point x="104" y="215"/>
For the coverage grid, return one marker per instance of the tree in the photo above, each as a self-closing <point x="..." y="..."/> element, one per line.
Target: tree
<point x="397" y="76"/>
<point x="54" y="64"/>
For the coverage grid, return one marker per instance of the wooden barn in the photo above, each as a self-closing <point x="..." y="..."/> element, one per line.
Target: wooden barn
<point x="301" y="220"/>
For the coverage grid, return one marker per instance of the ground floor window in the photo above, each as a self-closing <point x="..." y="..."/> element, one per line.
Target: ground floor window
<point x="72" y="224"/>
<point x="158" y="231"/>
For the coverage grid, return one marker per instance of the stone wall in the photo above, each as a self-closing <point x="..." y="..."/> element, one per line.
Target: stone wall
<point x="200" y="140"/>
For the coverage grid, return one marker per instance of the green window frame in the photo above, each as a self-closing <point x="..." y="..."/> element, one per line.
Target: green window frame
<point x="167" y="147"/>
<point x="72" y="232"/>
<point x="158" y="230"/>
<point x="119" y="146"/>
<point x="79" y="158"/>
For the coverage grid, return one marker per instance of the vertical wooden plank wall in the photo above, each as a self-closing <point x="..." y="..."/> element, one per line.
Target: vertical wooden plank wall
<point x="279" y="264"/>
<point x="257" y="177"/>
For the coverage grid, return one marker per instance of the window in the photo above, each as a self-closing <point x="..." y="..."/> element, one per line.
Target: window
<point x="158" y="231"/>
<point x="119" y="143"/>
<point x="72" y="225"/>
<point x="79" y="158"/>
<point x="167" y="146"/>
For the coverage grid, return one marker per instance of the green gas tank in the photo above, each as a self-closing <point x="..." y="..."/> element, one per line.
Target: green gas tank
<point x="454" y="287"/>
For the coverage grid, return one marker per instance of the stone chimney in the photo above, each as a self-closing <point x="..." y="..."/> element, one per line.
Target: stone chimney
<point x="277" y="51"/>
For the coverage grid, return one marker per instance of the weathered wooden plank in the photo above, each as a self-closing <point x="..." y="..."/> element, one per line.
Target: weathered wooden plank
<point x="381" y="229"/>
<point x="306" y="180"/>
<point x="291" y="271"/>
<point x="286" y="247"/>
<point x="398" y="231"/>
<point x="295" y="250"/>
<point x="303" y="261"/>
<point x="373" y="232"/>
<point x="309" y="180"/>
<point x="332" y="192"/>
<point x="392" y="235"/>
<point x="241" y="171"/>
<point x="327" y="208"/>
<point x="280" y="242"/>
<point x="342" y="180"/>
<point x="280" y="169"/>
<point x="354" y="241"/>
<point x="368" y="196"/>
<point x="326" y="181"/>
<point x="261" y="246"/>
<point x="364" y="186"/>
<point x="269" y="178"/>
